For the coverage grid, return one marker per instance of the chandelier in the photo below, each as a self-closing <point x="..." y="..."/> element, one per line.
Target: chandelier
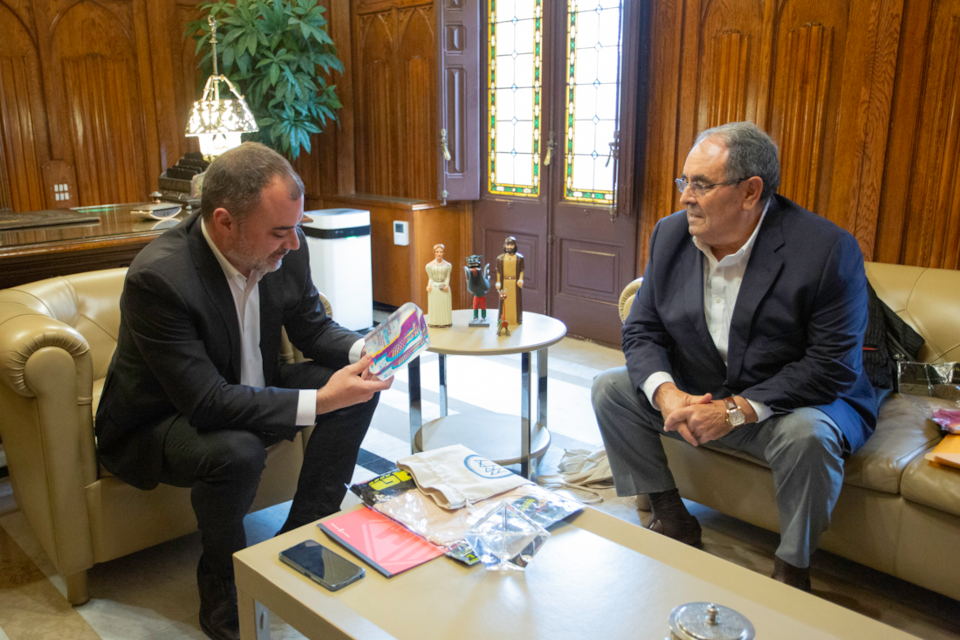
<point x="218" y="122"/>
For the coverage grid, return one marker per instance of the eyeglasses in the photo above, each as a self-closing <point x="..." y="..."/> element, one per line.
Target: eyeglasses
<point x="700" y="188"/>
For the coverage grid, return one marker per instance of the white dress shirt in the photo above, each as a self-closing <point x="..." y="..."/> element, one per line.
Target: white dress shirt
<point x="246" y="298"/>
<point x="721" y="285"/>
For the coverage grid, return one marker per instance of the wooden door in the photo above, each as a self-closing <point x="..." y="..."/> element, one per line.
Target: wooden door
<point x="554" y="187"/>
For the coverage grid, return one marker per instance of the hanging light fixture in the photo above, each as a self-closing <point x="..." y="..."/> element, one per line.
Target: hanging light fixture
<point x="218" y="122"/>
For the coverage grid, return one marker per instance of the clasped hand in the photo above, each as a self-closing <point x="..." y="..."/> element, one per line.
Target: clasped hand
<point x="353" y="384"/>
<point x="698" y="419"/>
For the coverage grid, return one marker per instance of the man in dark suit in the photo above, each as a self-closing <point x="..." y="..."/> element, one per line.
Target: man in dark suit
<point x="195" y="392"/>
<point x="747" y="334"/>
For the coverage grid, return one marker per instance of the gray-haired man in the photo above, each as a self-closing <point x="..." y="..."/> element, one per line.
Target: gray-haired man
<point x="747" y="333"/>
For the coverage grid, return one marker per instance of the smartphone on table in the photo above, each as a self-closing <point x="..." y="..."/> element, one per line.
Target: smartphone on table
<point x="321" y="565"/>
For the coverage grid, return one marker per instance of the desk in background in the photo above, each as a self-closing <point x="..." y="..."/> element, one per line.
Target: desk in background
<point x="112" y="240"/>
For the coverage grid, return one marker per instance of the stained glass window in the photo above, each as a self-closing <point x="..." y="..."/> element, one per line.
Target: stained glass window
<point x="593" y="68"/>
<point x="515" y="56"/>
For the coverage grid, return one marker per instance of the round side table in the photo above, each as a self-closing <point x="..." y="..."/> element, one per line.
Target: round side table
<point x="492" y="435"/>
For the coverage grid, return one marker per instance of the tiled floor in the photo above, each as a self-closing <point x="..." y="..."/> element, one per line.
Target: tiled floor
<point x="151" y="594"/>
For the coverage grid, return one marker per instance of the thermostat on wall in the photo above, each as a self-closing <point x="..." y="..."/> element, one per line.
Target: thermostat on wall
<point x="401" y="233"/>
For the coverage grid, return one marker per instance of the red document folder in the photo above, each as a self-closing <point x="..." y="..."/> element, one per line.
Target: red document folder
<point x="384" y="544"/>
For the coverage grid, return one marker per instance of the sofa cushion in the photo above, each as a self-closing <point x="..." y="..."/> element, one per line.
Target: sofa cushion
<point x="903" y="433"/>
<point x="932" y="485"/>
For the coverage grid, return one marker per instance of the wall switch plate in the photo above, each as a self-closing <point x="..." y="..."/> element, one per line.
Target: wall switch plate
<point x="401" y="233"/>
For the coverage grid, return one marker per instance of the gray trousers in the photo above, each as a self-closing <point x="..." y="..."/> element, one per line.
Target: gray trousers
<point x="804" y="450"/>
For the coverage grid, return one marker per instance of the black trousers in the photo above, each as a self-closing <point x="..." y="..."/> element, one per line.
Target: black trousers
<point x="223" y="469"/>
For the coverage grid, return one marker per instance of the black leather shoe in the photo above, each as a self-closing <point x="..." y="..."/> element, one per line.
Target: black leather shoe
<point x="786" y="573"/>
<point x="218" y="605"/>
<point x="685" y="530"/>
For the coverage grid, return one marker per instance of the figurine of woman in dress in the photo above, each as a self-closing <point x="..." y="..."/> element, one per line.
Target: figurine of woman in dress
<point x="439" y="300"/>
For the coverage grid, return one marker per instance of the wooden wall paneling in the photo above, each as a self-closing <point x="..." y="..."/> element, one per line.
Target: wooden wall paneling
<point x="345" y="129"/>
<point x="23" y="127"/>
<point x="660" y="137"/>
<point x="155" y="120"/>
<point x="104" y="101"/>
<point x="851" y="179"/>
<point x="416" y="155"/>
<point x="904" y="138"/>
<point x="806" y="77"/>
<point x="933" y="209"/>
<point x="375" y="81"/>
<point x="188" y="78"/>
<point x="329" y="167"/>
<point x="731" y="47"/>
<point x="174" y="77"/>
<point x="395" y="81"/>
<point x="818" y="76"/>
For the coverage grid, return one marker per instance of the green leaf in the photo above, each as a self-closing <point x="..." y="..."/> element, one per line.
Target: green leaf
<point x="280" y="54"/>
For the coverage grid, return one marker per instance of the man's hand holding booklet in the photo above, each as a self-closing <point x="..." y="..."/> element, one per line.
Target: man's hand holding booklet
<point x="401" y="337"/>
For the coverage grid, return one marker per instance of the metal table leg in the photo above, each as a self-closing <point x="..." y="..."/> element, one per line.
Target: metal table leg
<point x="525" y="414"/>
<point x="416" y="415"/>
<point x="542" y="387"/>
<point x="443" y="384"/>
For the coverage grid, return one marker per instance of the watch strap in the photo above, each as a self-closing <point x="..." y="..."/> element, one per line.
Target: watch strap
<point x="734" y="410"/>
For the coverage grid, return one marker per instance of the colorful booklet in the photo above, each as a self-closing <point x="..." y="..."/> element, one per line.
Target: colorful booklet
<point x="399" y="338"/>
<point x="384" y="544"/>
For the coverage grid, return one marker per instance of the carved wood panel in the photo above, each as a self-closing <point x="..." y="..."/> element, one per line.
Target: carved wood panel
<point x="396" y="87"/>
<point x="104" y="103"/>
<point x="22" y="120"/>
<point x="920" y="215"/>
<point x="821" y="87"/>
<point x="417" y="93"/>
<point x="92" y="95"/>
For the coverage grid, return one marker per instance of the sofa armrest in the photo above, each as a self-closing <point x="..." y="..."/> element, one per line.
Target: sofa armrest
<point x="627" y="296"/>
<point x="24" y="332"/>
<point x="47" y="429"/>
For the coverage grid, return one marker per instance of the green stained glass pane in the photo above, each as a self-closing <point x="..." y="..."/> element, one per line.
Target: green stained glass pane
<point x="513" y="90"/>
<point x="593" y="63"/>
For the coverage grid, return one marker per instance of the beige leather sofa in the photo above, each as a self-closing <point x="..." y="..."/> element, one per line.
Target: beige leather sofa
<point x="897" y="513"/>
<point x="56" y="340"/>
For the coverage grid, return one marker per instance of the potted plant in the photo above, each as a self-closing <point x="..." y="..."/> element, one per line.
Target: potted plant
<point x="279" y="54"/>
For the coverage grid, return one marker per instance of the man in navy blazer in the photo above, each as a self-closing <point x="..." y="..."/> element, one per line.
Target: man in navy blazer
<point x="747" y="333"/>
<point x="196" y="392"/>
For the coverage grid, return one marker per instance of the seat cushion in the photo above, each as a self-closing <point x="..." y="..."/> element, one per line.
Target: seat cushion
<point x="903" y="432"/>
<point x="932" y="485"/>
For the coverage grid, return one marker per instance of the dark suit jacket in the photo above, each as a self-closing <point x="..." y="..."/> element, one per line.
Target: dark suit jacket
<point x="796" y="335"/>
<point x="178" y="352"/>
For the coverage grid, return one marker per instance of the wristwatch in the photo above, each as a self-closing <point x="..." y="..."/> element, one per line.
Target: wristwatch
<point x="735" y="416"/>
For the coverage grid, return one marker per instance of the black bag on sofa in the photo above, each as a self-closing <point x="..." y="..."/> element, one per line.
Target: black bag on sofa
<point x="888" y="339"/>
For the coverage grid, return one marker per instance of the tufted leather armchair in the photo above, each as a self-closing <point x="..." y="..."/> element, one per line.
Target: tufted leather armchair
<point x="57" y="337"/>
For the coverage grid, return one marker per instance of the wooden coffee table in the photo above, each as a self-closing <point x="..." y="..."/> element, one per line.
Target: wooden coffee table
<point x="505" y="439"/>
<point x="597" y="577"/>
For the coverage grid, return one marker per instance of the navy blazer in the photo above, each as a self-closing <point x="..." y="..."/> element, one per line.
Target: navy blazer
<point x="796" y="335"/>
<point x="178" y="351"/>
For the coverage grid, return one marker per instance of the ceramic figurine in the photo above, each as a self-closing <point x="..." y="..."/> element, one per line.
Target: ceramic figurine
<point x="510" y="281"/>
<point x="439" y="300"/>
<point x="478" y="283"/>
